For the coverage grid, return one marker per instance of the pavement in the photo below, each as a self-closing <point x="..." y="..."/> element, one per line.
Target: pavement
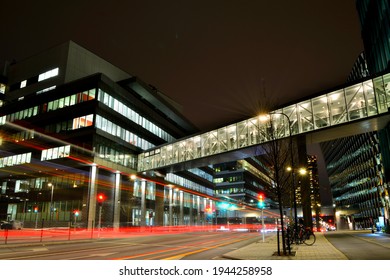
<point x="322" y="249"/>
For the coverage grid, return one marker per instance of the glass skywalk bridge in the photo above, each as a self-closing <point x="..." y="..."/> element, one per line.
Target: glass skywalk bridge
<point x="362" y="100"/>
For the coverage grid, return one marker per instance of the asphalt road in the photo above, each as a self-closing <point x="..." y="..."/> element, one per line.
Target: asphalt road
<point x="361" y="245"/>
<point x="195" y="245"/>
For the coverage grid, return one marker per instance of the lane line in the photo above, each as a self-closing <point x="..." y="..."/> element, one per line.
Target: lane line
<point x="180" y="256"/>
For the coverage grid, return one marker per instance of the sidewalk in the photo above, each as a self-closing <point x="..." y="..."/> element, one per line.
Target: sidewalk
<point x="322" y="249"/>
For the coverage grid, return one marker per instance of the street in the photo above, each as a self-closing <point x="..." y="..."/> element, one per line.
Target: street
<point x="190" y="245"/>
<point x="361" y="245"/>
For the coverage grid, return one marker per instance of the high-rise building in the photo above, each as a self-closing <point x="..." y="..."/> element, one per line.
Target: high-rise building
<point x="359" y="69"/>
<point x="375" y="29"/>
<point x="314" y="186"/>
<point x="357" y="165"/>
<point x="242" y="182"/>
<point x="354" y="166"/>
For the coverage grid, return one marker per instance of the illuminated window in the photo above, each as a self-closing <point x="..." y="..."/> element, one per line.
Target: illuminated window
<point x="2" y="88"/>
<point x="15" y="160"/>
<point x="23" y="84"/>
<point x="48" y="74"/>
<point x="46" y="89"/>
<point x="129" y="113"/>
<point x="57" y="152"/>
<point x="83" y="121"/>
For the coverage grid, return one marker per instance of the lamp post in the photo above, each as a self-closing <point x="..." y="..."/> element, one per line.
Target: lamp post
<point x="292" y="165"/>
<point x="100" y="199"/>
<point x="51" y="200"/>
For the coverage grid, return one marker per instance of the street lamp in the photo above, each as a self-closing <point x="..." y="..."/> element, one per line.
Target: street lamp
<point x="292" y="169"/>
<point x="51" y="200"/>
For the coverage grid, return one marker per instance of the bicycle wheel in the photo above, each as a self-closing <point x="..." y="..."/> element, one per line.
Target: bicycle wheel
<point x="309" y="238"/>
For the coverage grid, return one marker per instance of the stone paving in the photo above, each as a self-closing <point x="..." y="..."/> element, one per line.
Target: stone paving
<point x="322" y="249"/>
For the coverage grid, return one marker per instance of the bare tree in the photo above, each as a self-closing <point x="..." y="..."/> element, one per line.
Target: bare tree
<point x="276" y="153"/>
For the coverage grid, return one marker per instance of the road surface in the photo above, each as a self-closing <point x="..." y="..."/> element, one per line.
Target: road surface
<point x="361" y="245"/>
<point x="190" y="245"/>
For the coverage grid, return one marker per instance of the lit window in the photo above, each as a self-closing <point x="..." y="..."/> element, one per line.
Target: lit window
<point x="48" y="74"/>
<point x="16" y="160"/>
<point x="2" y="88"/>
<point x="54" y="153"/>
<point x="23" y="84"/>
<point x="46" y="89"/>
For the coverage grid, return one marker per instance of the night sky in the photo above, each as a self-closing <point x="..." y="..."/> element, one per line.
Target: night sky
<point x="215" y="58"/>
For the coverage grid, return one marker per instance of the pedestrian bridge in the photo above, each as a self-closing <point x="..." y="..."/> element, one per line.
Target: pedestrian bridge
<point x="345" y="111"/>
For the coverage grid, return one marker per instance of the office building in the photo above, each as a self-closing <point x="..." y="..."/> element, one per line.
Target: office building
<point x="375" y="29"/>
<point x="359" y="69"/>
<point x="355" y="169"/>
<point x="357" y="165"/>
<point x="241" y="183"/>
<point x="72" y="126"/>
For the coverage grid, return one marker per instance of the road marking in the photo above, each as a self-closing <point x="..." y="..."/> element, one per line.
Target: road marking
<point x="103" y="254"/>
<point x="147" y="254"/>
<point x="39" y="249"/>
<point x="92" y="256"/>
<point x="49" y="254"/>
<point x="180" y="256"/>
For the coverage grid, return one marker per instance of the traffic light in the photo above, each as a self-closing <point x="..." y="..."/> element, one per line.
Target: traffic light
<point x="76" y="213"/>
<point x="101" y="198"/>
<point x="261" y="201"/>
<point x="35" y="209"/>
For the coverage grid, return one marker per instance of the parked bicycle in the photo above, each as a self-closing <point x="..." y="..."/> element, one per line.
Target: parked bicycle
<point x="301" y="235"/>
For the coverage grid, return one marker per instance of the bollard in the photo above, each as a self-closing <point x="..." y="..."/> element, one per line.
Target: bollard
<point x="6" y="235"/>
<point x="278" y="243"/>
<point x="43" y="220"/>
<point x="92" y="229"/>
<point x="69" y="231"/>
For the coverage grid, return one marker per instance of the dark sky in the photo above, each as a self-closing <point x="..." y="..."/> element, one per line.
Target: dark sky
<point x="213" y="57"/>
<point x="216" y="58"/>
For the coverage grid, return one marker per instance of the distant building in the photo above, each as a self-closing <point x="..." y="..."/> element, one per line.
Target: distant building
<point x="241" y="182"/>
<point x="315" y="199"/>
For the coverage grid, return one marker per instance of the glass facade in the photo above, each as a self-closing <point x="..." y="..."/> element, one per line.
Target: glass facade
<point x="132" y="115"/>
<point x="375" y="26"/>
<point x="355" y="169"/>
<point x="361" y="100"/>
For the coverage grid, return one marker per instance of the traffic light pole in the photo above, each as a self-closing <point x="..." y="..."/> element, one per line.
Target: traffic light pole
<point x="100" y="199"/>
<point x="100" y="220"/>
<point x="36" y="220"/>
<point x="262" y="205"/>
<point x="75" y="221"/>
<point x="262" y="223"/>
